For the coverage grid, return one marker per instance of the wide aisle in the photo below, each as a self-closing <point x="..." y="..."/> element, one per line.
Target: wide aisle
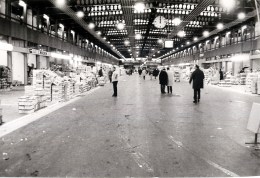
<point x="139" y="133"/>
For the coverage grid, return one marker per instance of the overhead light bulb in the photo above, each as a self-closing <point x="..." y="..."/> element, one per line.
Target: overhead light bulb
<point x="139" y="6"/>
<point x="60" y="2"/>
<point x="120" y="26"/>
<point x="104" y="38"/>
<point x="99" y="33"/>
<point x="181" y="34"/>
<point x="206" y="33"/>
<point x="187" y="42"/>
<point x="22" y="3"/>
<point x="229" y="5"/>
<point x="126" y="42"/>
<point x="241" y="16"/>
<point x="160" y="41"/>
<point x="138" y="36"/>
<point x="176" y="21"/>
<point x="80" y="14"/>
<point x="220" y="26"/>
<point x="91" y="25"/>
<point x="195" y="39"/>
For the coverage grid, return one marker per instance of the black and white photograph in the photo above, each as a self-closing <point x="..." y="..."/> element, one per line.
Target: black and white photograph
<point x="129" y="88"/>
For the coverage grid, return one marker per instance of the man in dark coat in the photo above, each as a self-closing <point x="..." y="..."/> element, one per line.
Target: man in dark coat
<point x="163" y="79"/>
<point x="197" y="77"/>
<point x="221" y="75"/>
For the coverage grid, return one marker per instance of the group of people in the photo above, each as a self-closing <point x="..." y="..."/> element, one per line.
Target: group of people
<point x="151" y="72"/>
<point x="166" y="78"/>
<point x="113" y="78"/>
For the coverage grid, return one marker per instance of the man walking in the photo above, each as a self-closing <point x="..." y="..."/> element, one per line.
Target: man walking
<point x="197" y="77"/>
<point x="163" y="79"/>
<point x="115" y="81"/>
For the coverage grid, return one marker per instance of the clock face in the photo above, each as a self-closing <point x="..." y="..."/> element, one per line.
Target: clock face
<point x="160" y="22"/>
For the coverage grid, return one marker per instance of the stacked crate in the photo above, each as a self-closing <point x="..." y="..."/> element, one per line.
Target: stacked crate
<point x="258" y="83"/>
<point x="242" y="78"/>
<point x="77" y="88"/>
<point x="30" y="104"/>
<point x="57" y="92"/>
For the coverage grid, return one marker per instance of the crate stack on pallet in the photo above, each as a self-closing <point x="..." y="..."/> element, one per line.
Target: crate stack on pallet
<point x="30" y="104"/>
<point x="258" y="83"/>
<point x="242" y="78"/>
<point x="57" y="92"/>
<point x="226" y="83"/>
<point x="251" y="82"/>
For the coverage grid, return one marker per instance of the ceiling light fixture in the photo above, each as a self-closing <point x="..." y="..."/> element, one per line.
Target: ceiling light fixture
<point x="206" y="33"/>
<point x="91" y="25"/>
<point x="22" y="3"/>
<point x="241" y="16"/>
<point x="120" y="26"/>
<point x="160" y="41"/>
<point x="99" y="33"/>
<point x="229" y="5"/>
<point x="126" y="42"/>
<point x="139" y="6"/>
<point x="195" y="39"/>
<point x="60" y="2"/>
<point x="176" y="21"/>
<point x="138" y="36"/>
<point x="181" y="34"/>
<point x="220" y="26"/>
<point x="80" y="14"/>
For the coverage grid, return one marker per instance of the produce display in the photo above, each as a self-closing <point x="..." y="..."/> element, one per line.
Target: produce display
<point x="5" y="78"/>
<point x="50" y="87"/>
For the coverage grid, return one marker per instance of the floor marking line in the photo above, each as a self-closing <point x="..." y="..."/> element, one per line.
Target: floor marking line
<point x="137" y="156"/>
<point x="27" y="119"/>
<point x="215" y="165"/>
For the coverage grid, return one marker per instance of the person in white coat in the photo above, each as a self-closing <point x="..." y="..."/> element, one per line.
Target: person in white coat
<point x="115" y="76"/>
<point x="170" y="80"/>
<point x="144" y="73"/>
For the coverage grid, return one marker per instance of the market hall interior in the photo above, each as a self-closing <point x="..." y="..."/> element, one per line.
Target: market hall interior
<point x="139" y="133"/>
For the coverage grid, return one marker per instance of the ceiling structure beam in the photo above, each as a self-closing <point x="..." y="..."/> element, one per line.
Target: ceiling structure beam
<point x="190" y="17"/>
<point x="150" y="23"/>
<point x="128" y="16"/>
<point x="215" y="32"/>
<point x="68" y="11"/>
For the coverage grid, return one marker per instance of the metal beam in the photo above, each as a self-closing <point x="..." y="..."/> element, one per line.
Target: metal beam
<point x="215" y="32"/>
<point x="68" y="11"/>
<point x="150" y="23"/>
<point x="128" y="16"/>
<point x="190" y="17"/>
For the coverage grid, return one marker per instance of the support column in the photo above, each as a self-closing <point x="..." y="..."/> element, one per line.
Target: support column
<point x="25" y="69"/>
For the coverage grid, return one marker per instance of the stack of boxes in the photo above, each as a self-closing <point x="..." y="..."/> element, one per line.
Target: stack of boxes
<point x="57" y="92"/>
<point x="227" y="82"/>
<point x="242" y="78"/>
<point x="30" y="104"/>
<point x="48" y="86"/>
<point x="249" y="82"/>
<point x="258" y="84"/>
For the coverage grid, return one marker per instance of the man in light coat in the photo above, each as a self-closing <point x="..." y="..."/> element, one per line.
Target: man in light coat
<point x="170" y="80"/>
<point x="197" y="77"/>
<point x="115" y="76"/>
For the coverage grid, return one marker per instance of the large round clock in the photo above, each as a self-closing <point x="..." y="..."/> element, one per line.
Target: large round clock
<point x="160" y="22"/>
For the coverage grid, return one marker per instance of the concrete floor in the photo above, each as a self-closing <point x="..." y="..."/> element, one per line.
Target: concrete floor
<point x="140" y="133"/>
<point x="9" y="103"/>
